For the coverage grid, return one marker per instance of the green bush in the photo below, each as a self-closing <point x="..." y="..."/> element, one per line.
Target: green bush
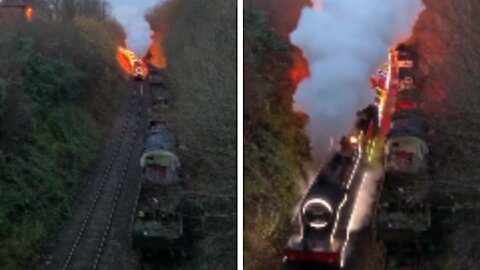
<point x="274" y="145"/>
<point x="56" y="102"/>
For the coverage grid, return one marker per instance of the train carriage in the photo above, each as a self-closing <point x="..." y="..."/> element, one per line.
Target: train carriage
<point x="159" y="162"/>
<point x="403" y="211"/>
<point x="406" y="66"/>
<point x="158" y="224"/>
<point x="165" y="222"/>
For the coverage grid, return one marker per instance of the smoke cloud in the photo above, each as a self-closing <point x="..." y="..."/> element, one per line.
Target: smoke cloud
<point x="345" y="41"/>
<point x="131" y="15"/>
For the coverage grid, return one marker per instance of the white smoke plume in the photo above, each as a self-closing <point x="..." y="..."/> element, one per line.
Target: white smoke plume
<point x="131" y="15"/>
<point x="345" y="41"/>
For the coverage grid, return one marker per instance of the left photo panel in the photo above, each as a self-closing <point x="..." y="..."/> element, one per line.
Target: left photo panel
<point x="118" y="134"/>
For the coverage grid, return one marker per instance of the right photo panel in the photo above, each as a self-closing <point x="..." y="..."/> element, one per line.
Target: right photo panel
<point x="361" y="129"/>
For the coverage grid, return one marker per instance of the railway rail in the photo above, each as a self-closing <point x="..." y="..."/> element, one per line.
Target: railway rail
<point x="83" y="246"/>
<point x="96" y="225"/>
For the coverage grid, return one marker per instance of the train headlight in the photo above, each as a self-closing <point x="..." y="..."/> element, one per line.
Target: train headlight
<point x="317" y="213"/>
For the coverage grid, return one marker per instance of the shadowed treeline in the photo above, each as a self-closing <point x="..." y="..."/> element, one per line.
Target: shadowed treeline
<point x="199" y="41"/>
<point x="274" y="144"/>
<point x="447" y="39"/>
<point x="59" y="91"/>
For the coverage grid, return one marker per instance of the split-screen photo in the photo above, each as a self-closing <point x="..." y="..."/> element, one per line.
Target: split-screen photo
<point x="239" y="134"/>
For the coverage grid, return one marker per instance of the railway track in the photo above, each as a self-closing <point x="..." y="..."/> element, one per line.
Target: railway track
<point x="83" y="246"/>
<point x="118" y="245"/>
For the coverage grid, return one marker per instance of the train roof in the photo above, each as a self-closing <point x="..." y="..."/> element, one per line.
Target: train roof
<point x="166" y="198"/>
<point x="158" y="212"/>
<point x="404" y="50"/>
<point x="415" y="113"/>
<point x="160" y="137"/>
<point x="160" y="157"/>
<point x="408" y="95"/>
<point x="326" y="189"/>
<point x="408" y="122"/>
<point x="404" y="205"/>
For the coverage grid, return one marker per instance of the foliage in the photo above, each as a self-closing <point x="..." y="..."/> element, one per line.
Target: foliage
<point x="446" y="38"/>
<point x="200" y="47"/>
<point x="56" y="102"/>
<point x="274" y="145"/>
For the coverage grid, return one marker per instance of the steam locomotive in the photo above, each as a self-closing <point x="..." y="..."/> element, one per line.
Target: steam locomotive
<point x="403" y="216"/>
<point x="317" y="237"/>
<point x="139" y="70"/>
<point x="314" y="224"/>
<point x="162" y="225"/>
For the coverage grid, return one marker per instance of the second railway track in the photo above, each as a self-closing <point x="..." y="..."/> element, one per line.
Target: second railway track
<point x="82" y="246"/>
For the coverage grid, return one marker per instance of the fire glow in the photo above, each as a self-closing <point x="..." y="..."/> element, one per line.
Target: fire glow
<point x="127" y="58"/>
<point x="300" y="69"/>
<point x="157" y="56"/>
<point x="140" y="39"/>
<point x="29" y="13"/>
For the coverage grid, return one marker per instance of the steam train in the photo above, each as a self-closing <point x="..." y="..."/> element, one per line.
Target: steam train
<point x="139" y="70"/>
<point x="133" y="66"/>
<point x="317" y="236"/>
<point x="314" y="223"/>
<point x="405" y="66"/>
<point x="403" y="214"/>
<point x="162" y="225"/>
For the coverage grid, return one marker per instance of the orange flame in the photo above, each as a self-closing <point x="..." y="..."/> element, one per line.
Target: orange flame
<point x="126" y="58"/>
<point x="29" y="13"/>
<point x="300" y="69"/>
<point x="129" y="61"/>
<point x="156" y="54"/>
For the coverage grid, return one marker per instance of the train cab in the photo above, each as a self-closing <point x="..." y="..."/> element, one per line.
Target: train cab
<point x="139" y="71"/>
